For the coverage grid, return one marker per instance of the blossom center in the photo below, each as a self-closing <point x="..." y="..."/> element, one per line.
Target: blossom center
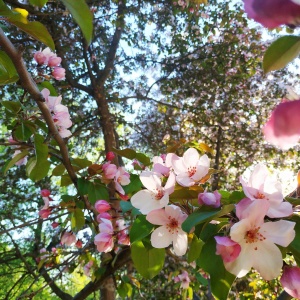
<point x="159" y="194"/>
<point x="253" y="236"/>
<point x="191" y="171"/>
<point x="172" y="225"/>
<point x="259" y="196"/>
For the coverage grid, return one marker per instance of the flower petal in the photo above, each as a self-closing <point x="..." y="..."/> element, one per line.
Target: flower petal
<point x="161" y="237"/>
<point x="180" y="242"/>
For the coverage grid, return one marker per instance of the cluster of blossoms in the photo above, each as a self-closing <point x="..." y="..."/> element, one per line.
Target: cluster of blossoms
<point x="251" y="242"/>
<point x="50" y="59"/>
<point x="45" y="211"/>
<point x="60" y="113"/>
<point x="109" y="233"/>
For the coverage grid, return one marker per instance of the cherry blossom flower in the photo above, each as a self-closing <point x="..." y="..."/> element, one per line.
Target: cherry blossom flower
<point x="68" y="238"/>
<point x="54" y="61"/>
<point x="102" y="206"/>
<point x="155" y="196"/>
<point x="59" y="73"/>
<point x="227" y="248"/>
<point x="272" y="13"/>
<point x="42" y="57"/>
<point x="184" y="279"/>
<point x="283" y="129"/>
<point x="191" y="167"/>
<point x="162" y="164"/>
<point x="170" y="230"/>
<point x="257" y="240"/>
<point x="211" y="199"/>
<point x="290" y="280"/>
<point x="109" y="170"/>
<point x="104" y="240"/>
<point x="121" y="178"/>
<point x="87" y="268"/>
<point x="103" y="215"/>
<point x="261" y="185"/>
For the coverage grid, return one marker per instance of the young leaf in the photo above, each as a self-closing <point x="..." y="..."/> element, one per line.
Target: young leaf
<point x="82" y="15"/>
<point x="281" y="52"/>
<point x="39" y="3"/>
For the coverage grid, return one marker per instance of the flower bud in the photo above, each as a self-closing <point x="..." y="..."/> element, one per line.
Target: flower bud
<point x="290" y="280"/>
<point x="102" y="206"/>
<point x="59" y="73"/>
<point x="54" y="61"/>
<point x="44" y="213"/>
<point x="45" y="193"/>
<point x="211" y="199"/>
<point x="110" y="155"/>
<point x="103" y="215"/>
<point x="227" y="248"/>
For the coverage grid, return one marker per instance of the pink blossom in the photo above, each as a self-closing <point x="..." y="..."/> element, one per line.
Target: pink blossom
<point x="272" y="13"/>
<point x="190" y="168"/>
<point x="62" y="119"/>
<point x="283" y="127"/>
<point x="227" y="248"/>
<point x="121" y="178"/>
<point x="63" y="132"/>
<point x="53" y="103"/>
<point x="290" y="280"/>
<point x="102" y="206"/>
<point x="110" y="156"/>
<point x="155" y="196"/>
<point x="123" y="238"/>
<point x="211" y="199"/>
<point x="44" y="213"/>
<point x="109" y="170"/>
<point x="162" y="164"/>
<point x="184" y="279"/>
<point x="42" y="57"/>
<point x="68" y="238"/>
<point x="103" y="215"/>
<point x="257" y="240"/>
<point x="54" y="61"/>
<point x="59" y="73"/>
<point x="260" y="185"/>
<point x="104" y="240"/>
<point x="87" y="268"/>
<point x="170" y="230"/>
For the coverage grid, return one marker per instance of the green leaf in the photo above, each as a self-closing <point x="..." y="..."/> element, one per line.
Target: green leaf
<point x="39" y="3"/>
<point x="134" y="186"/>
<point x="294" y="246"/>
<point x="83" y="186"/>
<point x="37" y="168"/>
<point x="96" y="192"/>
<point x="220" y="279"/>
<point x="82" y="15"/>
<point x="126" y="206"/>
<point x="24" y="131"/>
<point x="140" y="229"/>
<point x="58" y="170"/>
<point x="203" y="215"/>
<point x="281" y="52"/>
<point x="195" y="249"/>
<point x="131" y="154"/>
<point x="147" y="260"/>
<point x="65" y="180"/>
<point x="124" y="290"/>
<point x="11" y="163"/>
<point x="8" y="72"/>
<point x="49" y="86"/>
<point x="77" y="219"/>
<point x="80" y="163"/>
<point x="12" y="106"/>
<point x="18" y="17"/>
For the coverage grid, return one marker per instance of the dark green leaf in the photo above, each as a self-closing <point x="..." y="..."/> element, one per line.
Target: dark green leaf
<point x="24" y="131"/>
<point x="65" y="180"/>
<point x="82" y="15"/>
<point x="58" y="170"/>
<point x="148" y="261"/>
<point x="83" y="186"/>
<point x="281" y="52"/>
<point x="195" y="249"/>
<point x="8" y="72"/>
<point x="134" y="186"/>
<point x="12" y="106"/>
<point x="294" y="246"/>
<point x="97" y="192"/>
<point x="140" y="229"/>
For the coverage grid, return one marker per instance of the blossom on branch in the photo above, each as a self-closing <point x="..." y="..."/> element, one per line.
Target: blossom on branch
<point x="155" y="196"/>
<point x="257" y="240"/>
<point x="170" y="218"/>
<point x="210" y="199"/>
<point x="227" y="248"/>
<point x="190" y="168"/>
<point x="104" y="240"/>
<point x="184" y="279"/>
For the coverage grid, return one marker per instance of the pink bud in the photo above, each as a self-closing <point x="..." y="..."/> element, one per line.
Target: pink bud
<point x="78" y="244"/>
<point x="40" y="57"/>
<point x="59" y="73"/>
<point x="124" y="197"/>
<point x="45" y="193"/>
<point x="54" y="61"/>
<point x="103" y="215"/>
<point x="102" y="206"/>
<point x="290" y="280"/>
<point x="44" y="213"/>
<point x="227" y="248"/>
<point x="211" y="199"/>
<point x="123" y="238"/>
<point x="55" y="224"/>
<point x="109" y="170"/>
<point x="110" y="155"/>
